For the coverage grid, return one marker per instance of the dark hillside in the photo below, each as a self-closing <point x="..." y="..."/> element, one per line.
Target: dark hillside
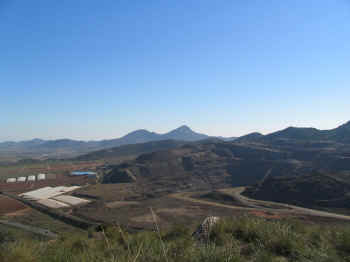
<point x="212" y="164"/>
<point x="314" y="190"/>
<point x="340" y="134"/>
<point x="131" y="150"/>
<point x="203" y="166"/>
<point x="250" y="137"/>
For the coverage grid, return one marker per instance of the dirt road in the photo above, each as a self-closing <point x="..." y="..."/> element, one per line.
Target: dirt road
<point x="35" y="230"/>
<point x="258" y="205"/>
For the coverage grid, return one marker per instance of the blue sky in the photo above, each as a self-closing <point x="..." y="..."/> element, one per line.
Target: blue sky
<point x="89" y="69"/>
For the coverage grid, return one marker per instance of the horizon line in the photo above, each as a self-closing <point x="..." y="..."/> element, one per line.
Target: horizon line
<point x="143" y="129"/>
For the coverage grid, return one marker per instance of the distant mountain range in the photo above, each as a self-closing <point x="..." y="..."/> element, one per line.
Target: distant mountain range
<point x="69" y="147"/>
<point x="302" y="166"/>
<point x="63" y="148"/>
<point x="340" y="134"/>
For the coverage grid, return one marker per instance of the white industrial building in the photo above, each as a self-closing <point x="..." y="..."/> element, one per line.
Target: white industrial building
<point x="52" y="197"/>
<point x="21" y="179"/>
<point x="31" y="178"/>
<point x="11" y="180"/>
<point x="52" y="203"/>
<point x="47" y="192"/>
<point x="71" y="200"/>
<point x="41" y="176"/>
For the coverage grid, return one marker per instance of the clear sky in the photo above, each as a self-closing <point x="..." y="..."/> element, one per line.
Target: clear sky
<point x="88" y="69"/>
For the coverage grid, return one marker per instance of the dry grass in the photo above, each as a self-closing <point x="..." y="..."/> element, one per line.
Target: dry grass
<point x="236" y="239"/>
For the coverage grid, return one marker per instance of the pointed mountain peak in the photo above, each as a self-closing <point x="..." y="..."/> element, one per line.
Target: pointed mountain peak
<point x="139" y="133"/>
<point x="37" y="140"/>
<point x="184" y="133"/>
<point x="183" y="128"/>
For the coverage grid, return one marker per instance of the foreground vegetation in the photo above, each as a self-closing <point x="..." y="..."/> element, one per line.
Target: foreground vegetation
<point x="236" y="239"/>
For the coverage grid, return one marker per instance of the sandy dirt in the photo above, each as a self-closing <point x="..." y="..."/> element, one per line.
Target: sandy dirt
<point x="10" y="206"/>
<point x="254" y="206"/>
<point x="117" y="204"/>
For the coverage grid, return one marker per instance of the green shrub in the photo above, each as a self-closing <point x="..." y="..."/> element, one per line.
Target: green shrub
<point x="342" y="243"/>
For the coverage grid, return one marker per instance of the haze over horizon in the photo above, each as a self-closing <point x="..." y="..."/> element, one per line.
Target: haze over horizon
<point x="88" y="71"/>
<point x="163" y="133"/>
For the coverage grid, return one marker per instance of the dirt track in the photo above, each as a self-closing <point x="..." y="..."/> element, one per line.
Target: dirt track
<point x="35" y="230"/>
<point x="258" y="205"/>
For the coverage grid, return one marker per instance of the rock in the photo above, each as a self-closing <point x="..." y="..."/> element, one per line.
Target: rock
<point x="203" y="231"/>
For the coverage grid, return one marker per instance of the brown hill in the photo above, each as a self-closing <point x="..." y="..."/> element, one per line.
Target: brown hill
<point x="204" y="166"/>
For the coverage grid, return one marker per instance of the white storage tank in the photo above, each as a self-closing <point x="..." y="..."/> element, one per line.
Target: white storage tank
<point x="41" y="176"/>
<point x="31" y="178"/>
<point x="21" y="179"/>
<point x="11" y="180"/>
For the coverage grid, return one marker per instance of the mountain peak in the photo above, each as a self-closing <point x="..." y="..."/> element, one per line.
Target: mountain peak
<point x="184" y="133"/>
<point x="37" y="140"/>
<point x="183" y="128"/>
<point x="251" y="137"/>
<point x="139" y="131"/>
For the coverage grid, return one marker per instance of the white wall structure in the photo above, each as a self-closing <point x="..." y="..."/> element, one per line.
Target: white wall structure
<point x="47" y="192"/>
<point x="21" y="179"/>
<point x="71" y="200"/>
<point x="41" y="176"/>
<point x="52" y="197"/>
<point x="11" y="180"/>
<point x="31" y="178"/>
<point x="51" y="203"/>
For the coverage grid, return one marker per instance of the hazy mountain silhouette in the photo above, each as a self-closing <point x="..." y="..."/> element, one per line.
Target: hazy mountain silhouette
<point x="67" y="147"/>
<point x="340" y="134"/>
